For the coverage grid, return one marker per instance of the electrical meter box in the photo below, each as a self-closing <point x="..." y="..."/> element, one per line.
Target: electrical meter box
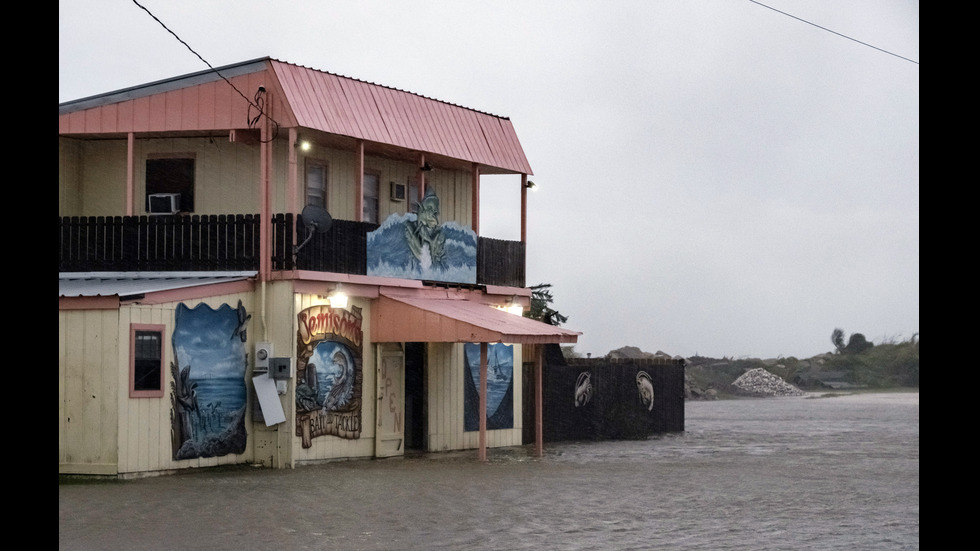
<point x="263" y="352"/>
<point x="281" y="368"/>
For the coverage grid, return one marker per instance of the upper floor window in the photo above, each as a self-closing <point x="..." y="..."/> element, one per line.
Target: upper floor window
<point x="146" y="361"/>
<point x="316" y="183"/>
<point x="372" y="183"/>
<point x="413" y="194"/>
<point x="171" y="174"/>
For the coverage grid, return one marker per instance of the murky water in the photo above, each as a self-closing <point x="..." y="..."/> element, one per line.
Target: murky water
<point x="788" y="473"/>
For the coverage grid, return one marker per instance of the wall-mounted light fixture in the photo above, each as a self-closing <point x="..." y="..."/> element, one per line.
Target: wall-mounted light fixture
<point x="514" y="306"/>
<point x="531" y="185"/>
<point x="337" y="297"/>
<point x="304" y="145"/>
<point x="426" y="167"/>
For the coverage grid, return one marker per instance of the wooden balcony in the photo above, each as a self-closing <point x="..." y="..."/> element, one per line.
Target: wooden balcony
<point x="231" y="243"/>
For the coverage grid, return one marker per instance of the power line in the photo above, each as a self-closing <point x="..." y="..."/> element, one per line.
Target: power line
<point x="835" y="32"/>
<point x="259" y="101"/>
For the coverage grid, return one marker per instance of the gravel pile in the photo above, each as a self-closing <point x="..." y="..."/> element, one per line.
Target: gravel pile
<point x="759" y="382"/>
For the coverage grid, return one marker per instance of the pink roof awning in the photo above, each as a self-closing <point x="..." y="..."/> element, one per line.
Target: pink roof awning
<point x="454" y="320"/>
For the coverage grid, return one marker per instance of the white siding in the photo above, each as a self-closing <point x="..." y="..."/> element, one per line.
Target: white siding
<point x="445" y="371"/>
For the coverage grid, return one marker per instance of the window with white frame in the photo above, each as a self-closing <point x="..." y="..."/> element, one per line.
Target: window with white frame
<point x="372" y="184"/>
<point x="316" y="183"/>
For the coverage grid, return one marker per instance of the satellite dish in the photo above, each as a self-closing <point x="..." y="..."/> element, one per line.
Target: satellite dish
<point x="316" y="220"/>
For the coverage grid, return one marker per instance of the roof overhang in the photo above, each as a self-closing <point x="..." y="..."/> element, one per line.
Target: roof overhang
<point x="108" y="289"/>
<point x="402" y="319"/>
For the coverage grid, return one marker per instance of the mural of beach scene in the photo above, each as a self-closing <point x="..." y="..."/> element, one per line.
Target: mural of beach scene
<point x="209" y="392"/>
<point x="500" y="386"/>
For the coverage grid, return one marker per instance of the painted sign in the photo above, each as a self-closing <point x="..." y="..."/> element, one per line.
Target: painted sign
<point x="500" y="387"/>
<point x="208" y="392"/>
<point x="416" y="245"/>
<point x="329" y="373"/>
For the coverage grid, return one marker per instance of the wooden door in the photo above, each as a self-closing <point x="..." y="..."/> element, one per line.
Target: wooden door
<point x="390" y="437"/>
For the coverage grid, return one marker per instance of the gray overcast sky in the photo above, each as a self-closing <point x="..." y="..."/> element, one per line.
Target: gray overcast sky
<point x="715" y="177"/>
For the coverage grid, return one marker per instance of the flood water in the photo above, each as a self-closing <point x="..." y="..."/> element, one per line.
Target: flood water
<point x="789" y="473"/>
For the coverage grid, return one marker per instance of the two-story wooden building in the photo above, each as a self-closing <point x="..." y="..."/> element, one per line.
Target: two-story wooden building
<point x="270" y="264"/>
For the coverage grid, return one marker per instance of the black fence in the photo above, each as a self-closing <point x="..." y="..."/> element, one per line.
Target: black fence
<point x="231" y="243"/>
<point x="598" y="399"/>
<point x="159" y="243"/>
<point x="341" y="249"/>
<point x="500" y="262"/>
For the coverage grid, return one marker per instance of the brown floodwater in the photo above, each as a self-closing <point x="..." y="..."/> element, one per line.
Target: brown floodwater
<point x="799" y="473"/>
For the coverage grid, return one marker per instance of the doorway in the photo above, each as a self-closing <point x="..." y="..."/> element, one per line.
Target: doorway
<point x="415" y="410"/>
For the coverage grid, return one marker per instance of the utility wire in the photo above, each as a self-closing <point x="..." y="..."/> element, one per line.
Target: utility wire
<point x="259" y="100"/>
<point x="835" y="32"/>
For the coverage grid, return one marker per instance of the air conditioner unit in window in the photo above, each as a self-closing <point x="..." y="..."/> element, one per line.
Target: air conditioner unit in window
<point x="397" y="191"/>
<point x="164" y="203"/>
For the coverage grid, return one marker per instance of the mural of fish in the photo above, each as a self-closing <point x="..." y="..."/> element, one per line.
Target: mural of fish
<point x="645" y="387"/>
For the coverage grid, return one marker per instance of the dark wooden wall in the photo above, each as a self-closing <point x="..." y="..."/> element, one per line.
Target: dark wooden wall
<point x="615" y="410"/>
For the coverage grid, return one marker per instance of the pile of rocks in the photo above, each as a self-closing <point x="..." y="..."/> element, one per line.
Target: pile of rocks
<point x="759" y="382"/>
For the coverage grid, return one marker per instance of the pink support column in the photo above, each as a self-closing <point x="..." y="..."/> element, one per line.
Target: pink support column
<point x="483" y="402"/>
<point x="476" y="198"/>
<point x="523" y="208"/>
<point x="421" y="176"/>
<point x="265" y="239"/>
<point x="292" y="179"/>
<point x="130" y="172"/>
<point x="359" y="194"/>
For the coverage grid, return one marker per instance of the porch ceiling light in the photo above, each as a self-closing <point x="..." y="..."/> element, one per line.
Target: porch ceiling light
<point x="337" y="297"/>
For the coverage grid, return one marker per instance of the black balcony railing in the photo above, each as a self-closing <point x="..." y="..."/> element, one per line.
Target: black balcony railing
<point x="159" y="243"/>
<point x="231" y="243"/>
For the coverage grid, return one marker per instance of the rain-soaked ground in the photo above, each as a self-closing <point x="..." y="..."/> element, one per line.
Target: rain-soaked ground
<point x="789" y="473"/>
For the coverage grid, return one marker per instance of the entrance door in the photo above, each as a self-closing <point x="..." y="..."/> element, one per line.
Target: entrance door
<point x="415" y="417"/>
<point x="390" y="437"/>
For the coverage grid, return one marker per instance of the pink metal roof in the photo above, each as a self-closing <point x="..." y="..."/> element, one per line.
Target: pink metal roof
<point x="405" y="319"/>
<point x="350" y="107"/>
<point x="216" y="100"/>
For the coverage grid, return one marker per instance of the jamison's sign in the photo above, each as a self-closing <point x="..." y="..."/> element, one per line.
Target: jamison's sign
<point x="318" y="322"/>
<point x="329" y="373"/>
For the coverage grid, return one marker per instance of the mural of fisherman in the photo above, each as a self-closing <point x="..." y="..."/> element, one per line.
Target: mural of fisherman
<point x="208" y="393"/>
<point x="417" y="245"/>
<point x="424" y="236"/>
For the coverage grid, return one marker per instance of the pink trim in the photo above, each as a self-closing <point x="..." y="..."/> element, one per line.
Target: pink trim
<point x="199" y="291"/>
<point x="88" y="303"/>
<point x="133" y="328"/>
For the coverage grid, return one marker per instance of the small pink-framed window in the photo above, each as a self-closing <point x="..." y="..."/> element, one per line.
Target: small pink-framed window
<point x="146" y="345"/>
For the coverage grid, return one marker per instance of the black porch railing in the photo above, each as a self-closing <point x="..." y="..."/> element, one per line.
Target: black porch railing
<point x="159" y="243"/>
<point x="231" y="243"/>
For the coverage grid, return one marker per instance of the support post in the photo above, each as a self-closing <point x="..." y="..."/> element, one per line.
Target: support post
<point x="130" y="171"/>
<point x="476" y="198"/>
<point x="538" y="401"/>
<point x="359" y="179"/>
<point x="523" y="208"/>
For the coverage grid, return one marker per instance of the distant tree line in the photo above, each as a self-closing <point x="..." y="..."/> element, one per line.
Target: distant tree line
<point x="855" y="345"/>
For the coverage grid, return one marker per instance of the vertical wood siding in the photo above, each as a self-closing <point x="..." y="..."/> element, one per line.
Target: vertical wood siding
<point x="446" y="431"/>
<point x="144" y="423"/>
<point x="88" y="391"/>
